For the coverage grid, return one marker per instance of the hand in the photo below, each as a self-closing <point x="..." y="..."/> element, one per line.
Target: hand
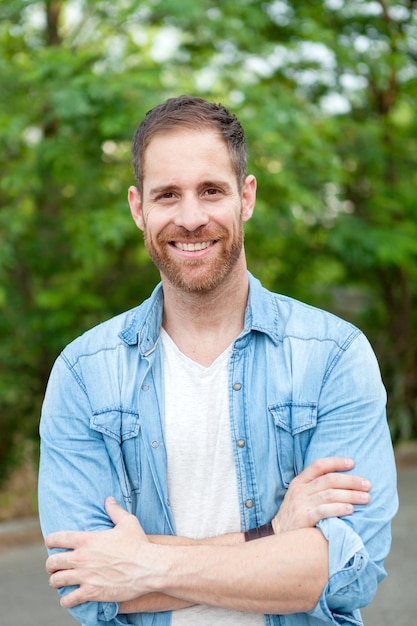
<point x="103" y="564"/>
<point x="320" y="491"/>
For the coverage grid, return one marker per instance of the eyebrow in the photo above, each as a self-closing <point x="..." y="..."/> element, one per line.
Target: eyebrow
<point x="222" y="184"/>
<point x="155" y="191"/>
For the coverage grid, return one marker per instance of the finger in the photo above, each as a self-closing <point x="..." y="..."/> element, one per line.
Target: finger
<point x="65" y="578"/>
<point x="341" y="481"/>
<point x="115" y="511"/>
<point x="342" y="496"/>
<point x="337" y="509"/>
<point x="57" y="562"/>
<point x="337" y="504"/>
<point x="326" y="465"/>
<point x="64" y="539"/>
<point x="73" y="599"/>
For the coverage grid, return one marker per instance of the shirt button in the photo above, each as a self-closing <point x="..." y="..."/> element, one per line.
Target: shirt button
<point x="249" y="504"/>
<point x="240" y="443"/>
<point x="145" y="387"/>
<point x="237" y="386"/>
<point x="155" y="443"/>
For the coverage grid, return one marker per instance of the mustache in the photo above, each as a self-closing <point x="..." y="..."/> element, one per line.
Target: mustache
<point x="179" y="233"/>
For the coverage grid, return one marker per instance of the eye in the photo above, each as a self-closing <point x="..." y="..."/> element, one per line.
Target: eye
<point x="211" y="192"/>
<point x="166" y="195"/>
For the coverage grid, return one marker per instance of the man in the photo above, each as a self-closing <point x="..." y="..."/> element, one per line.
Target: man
<point x="208" y="412"/>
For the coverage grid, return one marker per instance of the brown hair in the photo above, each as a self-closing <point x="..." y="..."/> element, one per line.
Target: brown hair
<point x="195" y="114"/>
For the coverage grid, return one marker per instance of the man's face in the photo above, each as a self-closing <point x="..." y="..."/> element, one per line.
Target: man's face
<point x="191" y="210"/>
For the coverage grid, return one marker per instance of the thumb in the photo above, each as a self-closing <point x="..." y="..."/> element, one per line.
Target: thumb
<point x="115" y="511"/>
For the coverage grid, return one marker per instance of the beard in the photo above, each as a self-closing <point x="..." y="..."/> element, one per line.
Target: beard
<point x="195" y="275"/>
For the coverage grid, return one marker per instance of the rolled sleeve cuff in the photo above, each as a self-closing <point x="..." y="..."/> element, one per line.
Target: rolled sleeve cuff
<point x="95" y="613"/>
<point x="349" y="585"/>
<point x="109" y="610"/>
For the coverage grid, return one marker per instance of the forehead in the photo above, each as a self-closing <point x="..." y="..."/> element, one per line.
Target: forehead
<point x="175" y="149"/>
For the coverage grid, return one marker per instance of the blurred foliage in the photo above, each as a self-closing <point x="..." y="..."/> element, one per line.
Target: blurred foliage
<point x="326" y="91"/>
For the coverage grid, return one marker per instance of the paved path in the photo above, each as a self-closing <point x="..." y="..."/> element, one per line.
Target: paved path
<point x="27" y="600"/>
<point x="25" y="596"/>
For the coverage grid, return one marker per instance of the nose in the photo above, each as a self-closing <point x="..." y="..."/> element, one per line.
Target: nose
<point x="191" y="213"/>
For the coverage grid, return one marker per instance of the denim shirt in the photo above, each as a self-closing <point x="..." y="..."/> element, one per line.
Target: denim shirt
<point x="303" y="384"/>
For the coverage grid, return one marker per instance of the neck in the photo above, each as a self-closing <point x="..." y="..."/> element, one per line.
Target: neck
<point x="203" y="325"/>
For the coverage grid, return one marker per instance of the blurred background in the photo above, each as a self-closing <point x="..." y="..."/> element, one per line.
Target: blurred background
<point x="327" y="93"/>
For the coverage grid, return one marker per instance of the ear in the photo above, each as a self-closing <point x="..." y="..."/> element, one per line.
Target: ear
<point x="248" y="197"/>
<point x="135" y="203"/>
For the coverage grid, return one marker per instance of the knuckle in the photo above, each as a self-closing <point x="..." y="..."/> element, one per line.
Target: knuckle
<point x="327" y="496"/>
<point x="317" y="463"/>
<point x="328" y="480"/>
<point x="320" y="465"/>
<point x="296" y="492"/>
<point x="89" y="592"/>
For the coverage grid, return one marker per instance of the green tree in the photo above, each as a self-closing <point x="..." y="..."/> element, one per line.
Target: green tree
<point x="69" y="256"/>
<point x="326" y="91"/>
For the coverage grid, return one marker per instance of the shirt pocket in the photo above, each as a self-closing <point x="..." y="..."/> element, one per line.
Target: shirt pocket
<point x="294" y="426"/>
<point x="121" y="430"/>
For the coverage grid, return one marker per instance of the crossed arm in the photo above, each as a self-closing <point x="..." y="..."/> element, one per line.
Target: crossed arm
<point x="284" y="573"/>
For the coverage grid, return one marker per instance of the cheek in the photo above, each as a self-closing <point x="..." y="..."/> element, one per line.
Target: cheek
<point x="147" y="213"/>
<point x="151" y="220"/>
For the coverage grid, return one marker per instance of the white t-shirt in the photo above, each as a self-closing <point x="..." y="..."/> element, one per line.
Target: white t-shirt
<point x="202" y="485"/>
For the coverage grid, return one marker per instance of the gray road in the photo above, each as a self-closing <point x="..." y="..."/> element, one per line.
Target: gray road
<point x="27" y="600"/>
<point x="25" y="596"/>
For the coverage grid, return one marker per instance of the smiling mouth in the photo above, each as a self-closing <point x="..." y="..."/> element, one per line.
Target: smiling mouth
<point x="192" y="247"/>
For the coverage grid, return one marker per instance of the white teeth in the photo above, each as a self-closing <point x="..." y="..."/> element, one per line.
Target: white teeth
<point x="192" y="247"/>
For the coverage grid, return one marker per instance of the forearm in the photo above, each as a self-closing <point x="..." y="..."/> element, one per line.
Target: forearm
<point x="231" y="539"/>
<point x="157" y="602"/>
<point x="280" y="574"/>
<point x="153" y="603"/>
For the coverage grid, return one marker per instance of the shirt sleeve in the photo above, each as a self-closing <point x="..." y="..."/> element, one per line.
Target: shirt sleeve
<point x="352" y="423"/>
<point x="75" y="475"/>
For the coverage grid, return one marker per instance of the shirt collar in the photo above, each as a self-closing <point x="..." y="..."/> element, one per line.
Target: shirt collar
<point x="261" y="315"/>
<point x="261" y="312"/>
